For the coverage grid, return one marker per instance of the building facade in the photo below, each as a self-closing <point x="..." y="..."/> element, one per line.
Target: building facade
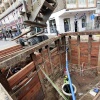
<point x="74" y="16"/>
<point x="10" y="13"/>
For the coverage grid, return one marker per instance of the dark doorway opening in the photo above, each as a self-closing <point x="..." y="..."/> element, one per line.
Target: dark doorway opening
<point x="76" y="26"/>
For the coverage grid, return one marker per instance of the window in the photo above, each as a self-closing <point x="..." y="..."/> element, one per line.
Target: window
<point x="71" y="1"/>
<point x="82" y="1"/>
<point x="83" y="21"/>
<point x="45" y="30"/>
<point x="52" y="26"/>
<point x="91" y="1"/>
<point x="67" y="24"/>
<point x="98" y="5"/>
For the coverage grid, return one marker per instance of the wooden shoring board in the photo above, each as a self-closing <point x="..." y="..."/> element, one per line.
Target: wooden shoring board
<point x="35" y="24"/>
<point x="16" y="78"/>
<point x="25" y="52"/>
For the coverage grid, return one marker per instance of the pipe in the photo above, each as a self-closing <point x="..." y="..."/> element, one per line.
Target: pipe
<point x="69" y="79"/>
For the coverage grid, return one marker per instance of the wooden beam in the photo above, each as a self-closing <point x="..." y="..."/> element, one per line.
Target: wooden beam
<point x="78" y="48"/>
<point x="34" y="35"/>
<point x="89" y="49"/>
<point x="33" y="56"/>
<point x="25" y="52"/>
<point x="99" y="57"/>
<point x="49" y="55"/>
<point x="63" y="39"/>
<point x="35" y="24"/>
<point x="48" y="5"/>
<point x="58" y="44"/>
<point x="44" y="62"/>
<point x="69" y="51"/>
<point x="21" y="35"/>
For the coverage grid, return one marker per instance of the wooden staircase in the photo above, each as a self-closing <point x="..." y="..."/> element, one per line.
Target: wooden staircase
<point x="40" y="12"/>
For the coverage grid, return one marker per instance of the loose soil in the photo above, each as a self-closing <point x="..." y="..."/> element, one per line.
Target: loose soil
<point x="82" y="83"/>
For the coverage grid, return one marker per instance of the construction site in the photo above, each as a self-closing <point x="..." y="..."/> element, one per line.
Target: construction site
<point x="36" y="66"/>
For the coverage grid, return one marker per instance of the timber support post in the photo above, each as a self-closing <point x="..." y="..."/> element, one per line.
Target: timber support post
<point x="78" y="47"/>
<point x="69" y="41"/>
<point x="58" y="43"/>
<point x="34" y="58"/>
<point x="89" y="49"/>
<point x="99" y="57"/>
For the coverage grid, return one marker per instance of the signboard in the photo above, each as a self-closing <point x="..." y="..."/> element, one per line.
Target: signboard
<point x="92" y="17"/>
<point x="4" y="94"/>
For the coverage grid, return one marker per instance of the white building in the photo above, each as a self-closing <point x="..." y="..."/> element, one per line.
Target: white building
<point x="78" y="15"/>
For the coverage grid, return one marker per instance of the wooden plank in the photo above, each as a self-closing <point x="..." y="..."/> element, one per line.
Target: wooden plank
<point x="33" y="92"/>
<point x="7" y="53"/>
<point x="11" y="48"/>
<point x="78" y="47"/>
<point x="23" y="83"/>
<point x="16" y="78"/>
<point x="34" y="35"/>
<point x="2" y="58"/>
<point x="35" y="24"/>
<point x="48" y="5"/>
<point x="28" y="86"/>
<point x="21" y="35"/>
<point x="25" y="52"/>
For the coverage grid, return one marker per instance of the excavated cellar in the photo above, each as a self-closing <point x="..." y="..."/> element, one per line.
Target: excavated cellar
<point x="84" y="72"/>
